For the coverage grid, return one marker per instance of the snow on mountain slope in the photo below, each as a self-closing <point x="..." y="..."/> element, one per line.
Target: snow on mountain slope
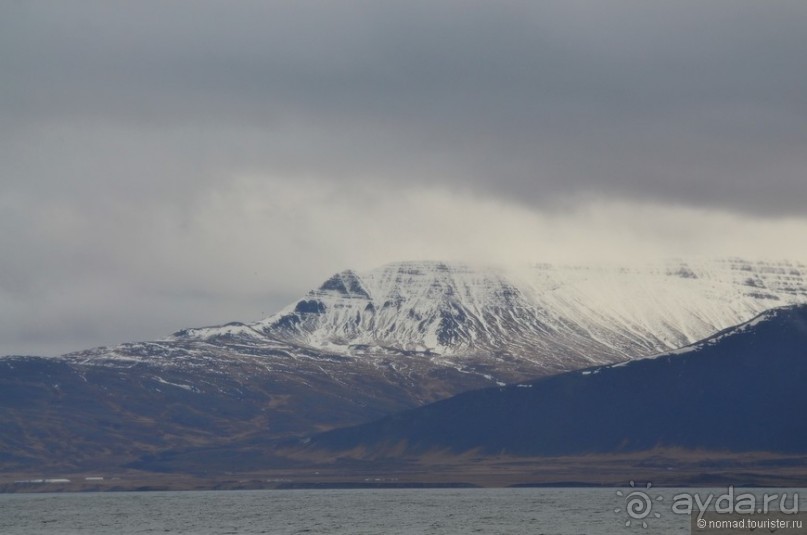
<point x="417" y="318"/>
<point x="545" y="313"/>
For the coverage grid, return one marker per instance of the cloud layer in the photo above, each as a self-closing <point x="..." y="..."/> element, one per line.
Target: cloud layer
<point x="197" y="162"/>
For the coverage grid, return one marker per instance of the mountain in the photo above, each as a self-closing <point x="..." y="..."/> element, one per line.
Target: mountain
<point x="741" y="390"/>
<point x="365" y="345"/>
<point x="554" y="317"/>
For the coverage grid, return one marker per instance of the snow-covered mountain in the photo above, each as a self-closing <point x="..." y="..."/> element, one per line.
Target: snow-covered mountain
<point x="364" y="345"/>
<point x="554" y="317"/>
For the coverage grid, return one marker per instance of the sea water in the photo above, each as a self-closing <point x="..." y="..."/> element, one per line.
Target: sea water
<point x="349" y="512"/>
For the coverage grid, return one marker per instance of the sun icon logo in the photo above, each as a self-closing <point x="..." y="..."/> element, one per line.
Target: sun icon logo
<point x="638" y="505"/>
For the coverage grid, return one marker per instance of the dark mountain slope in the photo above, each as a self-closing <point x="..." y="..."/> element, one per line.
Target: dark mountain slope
<point x="68" y="414"/>
<point x="744" y="389"/>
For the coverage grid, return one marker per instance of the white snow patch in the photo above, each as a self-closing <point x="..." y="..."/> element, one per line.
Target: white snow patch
<point x="178" y="385"/>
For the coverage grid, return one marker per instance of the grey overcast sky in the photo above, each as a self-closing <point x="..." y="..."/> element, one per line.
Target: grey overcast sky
<point x="166" y="164"/>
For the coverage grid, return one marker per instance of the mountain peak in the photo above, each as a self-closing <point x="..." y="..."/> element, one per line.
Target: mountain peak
<point x="346" y="283"/>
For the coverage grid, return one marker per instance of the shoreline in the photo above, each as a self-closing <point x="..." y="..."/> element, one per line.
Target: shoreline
<point x="677" y="469"/>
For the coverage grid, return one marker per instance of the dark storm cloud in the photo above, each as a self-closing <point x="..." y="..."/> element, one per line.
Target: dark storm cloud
<point x="692" y="102"/>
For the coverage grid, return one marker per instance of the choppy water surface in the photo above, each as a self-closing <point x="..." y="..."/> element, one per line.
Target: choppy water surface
<point x="386" y="511"/>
